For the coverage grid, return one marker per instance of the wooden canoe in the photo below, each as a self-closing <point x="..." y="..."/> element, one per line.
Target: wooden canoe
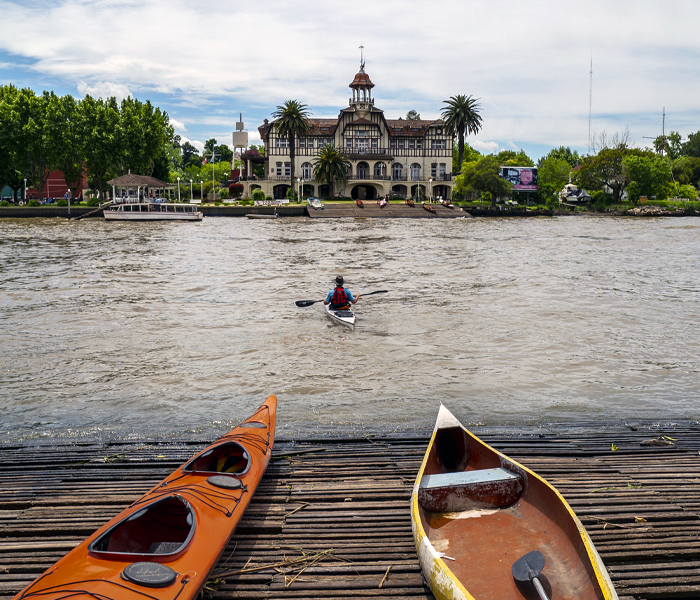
<point x="475" y="512"/>
<point x="430" y="209"/>
<point x="360" y="203"/>
<point x="165" y="544"/>
<point x="447" y="204"/>
<point x="410" y="202"/>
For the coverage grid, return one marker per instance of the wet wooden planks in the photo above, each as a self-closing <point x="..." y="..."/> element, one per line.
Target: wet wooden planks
<point x="332" y="515"/>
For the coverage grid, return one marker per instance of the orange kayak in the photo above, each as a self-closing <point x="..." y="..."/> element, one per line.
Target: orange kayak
<point x="165" y="544"/>
<point x="475" y="513"/>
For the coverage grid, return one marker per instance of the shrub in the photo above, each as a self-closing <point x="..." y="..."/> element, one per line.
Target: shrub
<point x="235" y="190"/>
<point x="94" y="201"/>
<point x="33" y="203"/>
<point x="268" y="198"/>
<point x="4" y="203"/>
<point x="62" y="202"/>
<point x="224" y="193"/>
<point x="291" y="195"/>
<point x="258" y="195"/>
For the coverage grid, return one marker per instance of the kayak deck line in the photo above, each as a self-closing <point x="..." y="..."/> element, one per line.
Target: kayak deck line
<point x="341" y="510"/>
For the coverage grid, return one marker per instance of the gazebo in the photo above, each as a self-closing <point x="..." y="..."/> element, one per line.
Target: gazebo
<point x="133" y="188"/>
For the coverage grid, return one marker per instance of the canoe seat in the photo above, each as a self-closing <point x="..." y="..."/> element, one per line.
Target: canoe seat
<point x="466" y="490"/>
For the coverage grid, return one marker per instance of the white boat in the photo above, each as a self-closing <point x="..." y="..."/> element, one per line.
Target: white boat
<point x="153" y="211"/>
<point x="314" y="203"/>
<point x="344" y="317"/>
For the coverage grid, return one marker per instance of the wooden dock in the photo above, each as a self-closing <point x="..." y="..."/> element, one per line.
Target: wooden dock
<point x="331" y="517"/>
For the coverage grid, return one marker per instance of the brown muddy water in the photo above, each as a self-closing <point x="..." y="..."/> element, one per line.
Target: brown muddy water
<point x="172" y="330"/>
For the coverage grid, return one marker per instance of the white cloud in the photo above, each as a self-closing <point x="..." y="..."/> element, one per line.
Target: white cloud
<point x="513" y="146"/>
<point x="104" y="89"/>
<point x="528" y="63"/>
<point x="177" y="125"/>
<point x="484" y="147"/>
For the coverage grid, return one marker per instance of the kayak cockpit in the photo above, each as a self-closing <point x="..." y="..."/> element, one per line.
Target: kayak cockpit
<point x="164" y="527"/>
<point x="230" y="457"/>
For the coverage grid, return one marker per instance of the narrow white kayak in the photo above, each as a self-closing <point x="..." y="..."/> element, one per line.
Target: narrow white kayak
<point x="344" y="317"/>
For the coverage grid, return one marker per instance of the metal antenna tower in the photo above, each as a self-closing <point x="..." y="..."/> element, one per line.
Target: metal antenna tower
<point x="590" y="106"/>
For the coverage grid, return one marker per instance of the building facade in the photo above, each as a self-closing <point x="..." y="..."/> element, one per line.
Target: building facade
<point x="387" y="156"/>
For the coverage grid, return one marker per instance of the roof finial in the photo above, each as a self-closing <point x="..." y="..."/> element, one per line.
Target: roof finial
<point x="362" y="58"/>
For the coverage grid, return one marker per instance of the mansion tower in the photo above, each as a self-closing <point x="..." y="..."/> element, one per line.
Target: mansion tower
<point x="386" y="156"/>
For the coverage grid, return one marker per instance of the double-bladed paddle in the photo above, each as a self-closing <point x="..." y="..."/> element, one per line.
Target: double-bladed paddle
<point x="528" y="568"/>
<point x="310" y="302"/>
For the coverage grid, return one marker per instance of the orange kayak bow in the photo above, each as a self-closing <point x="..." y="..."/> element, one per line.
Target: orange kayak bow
<point x="165" y="544"/>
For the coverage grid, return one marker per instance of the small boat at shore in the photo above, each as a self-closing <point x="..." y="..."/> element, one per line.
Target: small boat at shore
<point x="360" y="203"/>
<point x="383" y="202"/>
<point x="448" y="204"/>
<point x="315" y="203"/>
<point x="430" y="209"/>
<point x="479" y="516"/>
<point x="261" y="216"/>
<point x="164" y="545"/>
<point x="410" y="202"/>
<point x="152" y="211"/>
<point x="344" y="317"/>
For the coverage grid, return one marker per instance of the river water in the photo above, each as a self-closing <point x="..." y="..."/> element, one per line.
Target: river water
<point x="173" y="330"/>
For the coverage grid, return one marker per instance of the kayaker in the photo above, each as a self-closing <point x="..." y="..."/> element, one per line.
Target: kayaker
<point x="340" y="298"/>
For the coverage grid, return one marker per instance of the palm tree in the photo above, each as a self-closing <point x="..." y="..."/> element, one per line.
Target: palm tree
<point x="330" y="163"/>
<point x="461" y="115"/>
<point x="291" y="120"/>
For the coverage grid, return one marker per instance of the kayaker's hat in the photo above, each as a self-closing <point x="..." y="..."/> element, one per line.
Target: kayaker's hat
<point x="339" y="280"/>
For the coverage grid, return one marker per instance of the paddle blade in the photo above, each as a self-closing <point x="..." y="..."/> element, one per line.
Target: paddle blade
<point x="528" y="566"/>
<point x="306" y="302"/>
<point x="377" y="292"/>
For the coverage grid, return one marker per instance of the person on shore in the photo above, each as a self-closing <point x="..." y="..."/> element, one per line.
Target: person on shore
<point x="340" y="298"/>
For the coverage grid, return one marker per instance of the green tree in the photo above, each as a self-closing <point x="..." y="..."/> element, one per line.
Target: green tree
<point x="190" y="155"/>
<point x="686" y="170"/>
<point x="692" y="146"/>
<point x="65" y="133"/>
<point x="565" y="153"/>
<point x="100" y="142"/>
<point x="470" y="155"/>
<point x="650" y="173"/>
<point x="677" y="190"/>
<point x="9" y="141"/>
<point x="461" y="116"/>
<point x="330" y="164"/>
<point x="552" y="175"/>
<point x="670" y="145"/>
<point x="412" y="115"/>
<point x="603" y="170"/>
<point x="291" y="121"/>
<point x="35" y="153"/>
<point x="143" y="131"/>
<point x="484" y="176"/>
<point x="511" y="158"/>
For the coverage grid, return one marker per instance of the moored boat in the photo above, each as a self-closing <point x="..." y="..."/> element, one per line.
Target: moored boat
<point x="261" y="216"/>
<point x="344" y="317"/>
<point x="315" y="203"/>
<point x="360" y="203"/>
<point x="475" y="512"/>
<point x="410" y="202"/>
<point x="430" y="209"/>
<point x="152" y="211"/>
<point x="447" y="204"/>
<point x="165" y="544"/>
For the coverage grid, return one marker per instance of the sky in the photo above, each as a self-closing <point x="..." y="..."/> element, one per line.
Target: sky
<point x="528" y="63"/>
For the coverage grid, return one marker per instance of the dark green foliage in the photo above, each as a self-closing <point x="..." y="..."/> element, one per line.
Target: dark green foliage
<point x="258" y="195"/>
<point x="692" y="146"/>
<point x="330" y="164"/>
<point x="62" y="202"/>
<point x="563" y="153"/>
<point x="93" y="201"/>
<point x="484" y="177"/>
<point x="291" y="122"/>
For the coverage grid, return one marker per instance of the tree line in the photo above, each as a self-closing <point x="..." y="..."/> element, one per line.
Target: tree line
<point x="43" y="132"/>
<point x="671" y="170"/>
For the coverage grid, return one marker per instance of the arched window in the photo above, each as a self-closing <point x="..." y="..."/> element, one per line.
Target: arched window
<point x="306" y="171"/>
<point x="415" y="172"/>
<point x="379" y="169"/>
<point x="362" y="170"/>
<point x="397" y="171"/>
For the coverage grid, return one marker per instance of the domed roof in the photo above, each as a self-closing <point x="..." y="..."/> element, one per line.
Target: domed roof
<point x="361" y="80"/>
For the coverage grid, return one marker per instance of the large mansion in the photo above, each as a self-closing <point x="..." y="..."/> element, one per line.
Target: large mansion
<point x="386" y="155"/>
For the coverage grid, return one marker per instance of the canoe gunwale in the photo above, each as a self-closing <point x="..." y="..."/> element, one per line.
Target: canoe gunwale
<point x="442" y="581"/>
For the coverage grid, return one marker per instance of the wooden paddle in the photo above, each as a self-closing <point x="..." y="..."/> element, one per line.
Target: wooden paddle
<point x="528" y="568"/>
<point x="310" y="302"/>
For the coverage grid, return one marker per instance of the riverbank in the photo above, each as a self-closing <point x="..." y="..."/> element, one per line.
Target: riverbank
<point x="348" y="499"/>
<point x="339" y="210"/>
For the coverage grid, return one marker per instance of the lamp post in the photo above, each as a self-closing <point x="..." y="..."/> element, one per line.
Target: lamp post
<point x="25" y="191"/>
<point x="430" y="190"/>
<point x="191" y="192"/>
<point x="299" y="180"/>
<point x="178" y="189"/>
<point x="201" y="190"/>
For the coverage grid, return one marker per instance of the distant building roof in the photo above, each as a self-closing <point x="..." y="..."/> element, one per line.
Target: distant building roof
<point x="138" y="180"/>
